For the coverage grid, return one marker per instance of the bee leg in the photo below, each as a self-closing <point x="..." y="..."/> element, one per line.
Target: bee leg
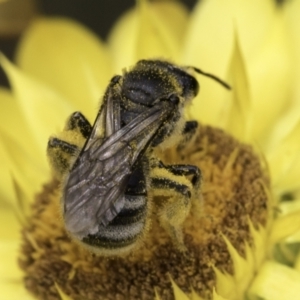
<point x="185" y="170"/>
<point x="79" y="123"/>
<point x="173" y="212"/>
<point x="190" y="127"/>
<point x="188" y="132"/>
<point x="61" y="154"/>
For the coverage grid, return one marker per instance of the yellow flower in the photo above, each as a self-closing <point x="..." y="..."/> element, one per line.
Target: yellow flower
<point x="61" y="67"/>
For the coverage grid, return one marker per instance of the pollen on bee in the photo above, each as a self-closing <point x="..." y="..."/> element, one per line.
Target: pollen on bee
<point x="61" y="161"/>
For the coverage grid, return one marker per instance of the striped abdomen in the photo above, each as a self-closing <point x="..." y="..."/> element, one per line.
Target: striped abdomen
<point x="124" y="229"/>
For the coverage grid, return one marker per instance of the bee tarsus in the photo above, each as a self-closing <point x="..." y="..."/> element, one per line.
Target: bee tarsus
<point x="77" y="121"/>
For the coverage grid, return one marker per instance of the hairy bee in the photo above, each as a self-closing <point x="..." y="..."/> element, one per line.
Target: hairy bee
<point x="109" y="168"/>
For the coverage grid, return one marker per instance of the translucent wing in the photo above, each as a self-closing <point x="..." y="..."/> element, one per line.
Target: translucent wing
<point x="94" y="191"/>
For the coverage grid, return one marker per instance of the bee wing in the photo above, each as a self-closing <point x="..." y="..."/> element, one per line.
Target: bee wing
<point x="96" y="186"/>
<point x="108" y="120"/>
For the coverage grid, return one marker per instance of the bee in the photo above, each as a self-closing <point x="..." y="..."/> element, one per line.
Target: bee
<point x="109" y="171"/>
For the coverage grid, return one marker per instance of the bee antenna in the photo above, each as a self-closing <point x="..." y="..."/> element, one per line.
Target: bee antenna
<point x="226" y="85"/>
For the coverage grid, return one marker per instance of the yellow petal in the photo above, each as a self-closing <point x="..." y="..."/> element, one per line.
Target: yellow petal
<point x="12" y="122"/>
<point x="292" y="10"/>
<point x="225" y="284"/>
<point x="275" y="282"/>
<point x="291" y="208"/>
<point x="7" y="192"/>
<point x="11" y="282"/>
<point x="69" y="58"/>
<point x="21" y="159"/>
<point x="270" y="77"/>
<point x="209" y="46"/>
<point x="282" y="158"/>
<point x="62" y="295"/>
<point x="154" y="37"/>
<point x="27" y="170"/>
<point x="152" y="29"/>
<point x="239" y="112"/>
<point x="262" y="42"/>
<point x="252" y="34"/>
<point x="285" y="253"/>
<point x="243" y="270"/>
<point x="43" y="108"/>
<point x="178" y="293"/>
<point x="216" y="296"/>
<point x="11" y="230"/>
<point x="290" y="180"/>
<point x="297" y="263"/>
<point x="122" y="41"/>
<point x="195" y="296"/>
<point x="45" y="111"/>
<point x="293" y="238"/>
<point x="175" y="17"/>
<point x="259" y="251"/>
<point x="156" y="295"/>
<point x="20" y="166"/>
<point x="287" y="207"/>
<point x="285" y="226"/>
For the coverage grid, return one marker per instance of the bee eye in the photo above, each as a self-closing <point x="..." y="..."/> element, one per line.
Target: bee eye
<point x="194" y="86"/>
<point x="190" y="85"/>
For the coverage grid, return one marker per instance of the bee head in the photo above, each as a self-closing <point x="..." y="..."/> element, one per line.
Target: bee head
<point x="151" y="80"/>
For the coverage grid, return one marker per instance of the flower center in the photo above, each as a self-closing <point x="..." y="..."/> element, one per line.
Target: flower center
<point x="233" y="192"/>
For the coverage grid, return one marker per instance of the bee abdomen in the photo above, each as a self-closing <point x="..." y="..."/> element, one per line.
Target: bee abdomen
<point x="125" y="228"/>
